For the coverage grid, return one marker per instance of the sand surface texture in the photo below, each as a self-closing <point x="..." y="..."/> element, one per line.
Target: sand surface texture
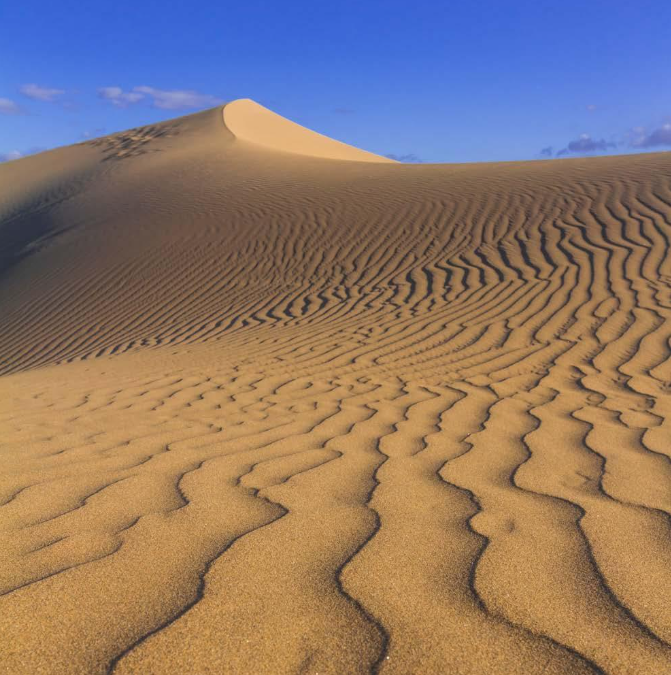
<point x="272" y="404"/>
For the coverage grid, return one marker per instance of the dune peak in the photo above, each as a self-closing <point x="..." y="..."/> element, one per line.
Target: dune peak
<point x="249" y="121"/>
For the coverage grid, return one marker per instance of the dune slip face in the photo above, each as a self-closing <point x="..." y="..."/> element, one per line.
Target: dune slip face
<point x="273" y="404"/>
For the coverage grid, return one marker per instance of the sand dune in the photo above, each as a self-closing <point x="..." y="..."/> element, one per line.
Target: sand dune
<point x="273" y="404"/>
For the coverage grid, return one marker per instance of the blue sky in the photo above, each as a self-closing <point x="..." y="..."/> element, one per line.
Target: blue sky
<point x="437" y="81"/>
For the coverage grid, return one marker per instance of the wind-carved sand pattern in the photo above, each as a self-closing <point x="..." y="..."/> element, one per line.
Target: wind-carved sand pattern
<point x="271" y="404"/>
<point x="134" y="141"/>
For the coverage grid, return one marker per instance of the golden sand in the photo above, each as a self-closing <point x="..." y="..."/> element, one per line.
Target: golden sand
<point x="272" y="404"/>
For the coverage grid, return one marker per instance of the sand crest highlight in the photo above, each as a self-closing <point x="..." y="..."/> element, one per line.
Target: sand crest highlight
<point x="249" y="121"/>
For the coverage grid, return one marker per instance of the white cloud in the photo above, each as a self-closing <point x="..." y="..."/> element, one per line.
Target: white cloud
<point x="118" y="97"/>
<point x="18" y="154"/>
<point x="165" y="99"/>
<point x="9" y="107"/>
<point x="9" y="156"/>
<point x="38" y="93"/>
<point x="177" y="99"/>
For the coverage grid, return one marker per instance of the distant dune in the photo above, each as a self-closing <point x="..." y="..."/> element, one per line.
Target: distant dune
<point x="273" y="404"/>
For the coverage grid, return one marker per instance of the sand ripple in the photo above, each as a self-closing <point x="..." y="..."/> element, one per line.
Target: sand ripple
<point x="268" y="412"/>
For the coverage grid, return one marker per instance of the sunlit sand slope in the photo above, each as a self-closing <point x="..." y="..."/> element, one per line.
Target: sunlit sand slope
<point x="272" y="404"/>
<point x="247" y="120"/>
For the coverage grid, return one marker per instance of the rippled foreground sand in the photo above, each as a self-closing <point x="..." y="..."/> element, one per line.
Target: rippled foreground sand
<point x="271" y="404"/>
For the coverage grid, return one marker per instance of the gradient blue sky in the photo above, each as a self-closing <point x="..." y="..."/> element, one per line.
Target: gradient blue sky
<point x="440" y="81"/>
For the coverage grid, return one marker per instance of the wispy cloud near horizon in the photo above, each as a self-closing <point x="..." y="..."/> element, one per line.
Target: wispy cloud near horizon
<point x="408" y="158"/>
<point x="11" y="155"/>
<point x="636" y="138"/>
<point x="585" y="144"/>
<point x="18" y="154"/>
<point x="118" y="97"/>
<point x="165" y="99"/>
<point x="177" y="99"/>
<point x="657" y="138"/>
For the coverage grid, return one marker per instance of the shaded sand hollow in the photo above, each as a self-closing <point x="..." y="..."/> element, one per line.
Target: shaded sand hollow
<point x="272" y="404"/>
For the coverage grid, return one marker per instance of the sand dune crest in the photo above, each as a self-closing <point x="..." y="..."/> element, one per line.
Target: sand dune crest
<point x="249" y="121"/>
